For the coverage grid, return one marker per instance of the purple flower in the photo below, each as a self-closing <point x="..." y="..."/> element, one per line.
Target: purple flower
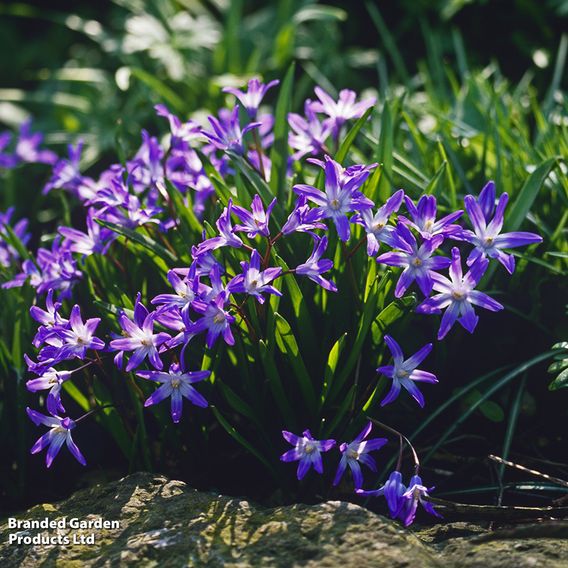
<point x="49" y="319"/>
<point x="146" y="169"/>
<point x="308" y="135"/>
<point x="51" y="380"/>
<point x="184" y="292"/>
<point x="59" y="434"/>
<point x="314" y="267"/>
<point x="376" y="226"/>
<point x="27" y="148"/>
<point x="215" y="320"/>
<point x="97" y="239"/>
<point x="393" y="490"/>
<point x="303" y="218"/>
<point x="253" y="281"/>
<point x="458" y="296"/>
<point x="257" y="222"/>
<point x="140" y="338"/>
<point x="55" y="269"/>
<point x="79" y="336"/>
<point x="181" y="132"/>
<point x="486" y="235"/>
<point x="253" y="97"/>
<point x="345" y="108"/>
<point x="424" y="218"/>
<point x="176" y="384"/>
<point x="307" y="451"/>
<point x="227" y="134"/>
<point x="226" y="234"/>
<point x="341" y="195"/>
<point x="404" y="372"/>
<point x="8" y="254"/>
<point x="356" y="452"/>
<point x="67" y="175"/>
<point x="417" y="261"/>
<point x="409" y="502"/>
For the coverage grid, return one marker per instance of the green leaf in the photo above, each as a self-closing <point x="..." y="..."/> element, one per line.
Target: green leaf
<point x="351" y="135"/>
<point x="434" y="183"/>
<point x="143" y="240"/>
<point x="275" y="382"/>
<point x="237" y="403"/>
<point x="110" y="418"/>
<point x="159" y="88"/>
<point x="528" y="193"/>
<point x="382" y="180"/>
<point x="331" y="365"/>
<point x="289" y="346"/>
<point x="231" y="430"/>
<point x="73" y="391"/>
<point x="496" y="386"/>
<point x="365" y="321"/>
<point x="340" y="412"/>
<point x="492" y="411"/>
<point x="560" y="382"/>
<point x="189" y="224"/>
<point x="394" y="311"/>
<point x="279" y="152"/>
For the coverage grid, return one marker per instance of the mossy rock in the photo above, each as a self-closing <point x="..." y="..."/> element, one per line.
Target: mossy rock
<point x="167" y="524"/>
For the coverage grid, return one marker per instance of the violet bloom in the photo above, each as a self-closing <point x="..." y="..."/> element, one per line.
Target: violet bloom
<point x="424" y="218"/>
<point x="51" y="380"/>
<point x="215" y="320"/>
<point x="79" y="336"/>
<point x="308" y="135"/>
<point x="49" y="319"/>
<point x="8" y="254"/>
<point x="409" y="502"/>
<point x="486" y="235"/>
<point x="457" y="296"/>
<point x="393" y="490"/>
<point x="356" y="452"/>
<point x="416" y="260"/>
<point x="307" y="451"/>
<point x="54" y="268"/>
<point x="176" y="384"/>
<point x="342" y="110"/>
<point x="404" y="372"/>
<point x="146" y="169"/>
<point x="59" y="434"/>
<point x="181" y="132"/>
<point x="67" y="175"/>
<point x="255" y="223"/>
<point x="341" y="195"/>
<point x="226" y="236"/>
<point x="314" y="266"/>
<point x="227" y="134"/>
<point x="303" y="218"/>
<point x="254" y="281"/>
<point x="184" y="292"/>
<point x="376" y="226"/>
<point x="252" y="98"/>
<point x="140" y="338"/>
<point x="27" y="148"/>
<point x="97" y="239"/>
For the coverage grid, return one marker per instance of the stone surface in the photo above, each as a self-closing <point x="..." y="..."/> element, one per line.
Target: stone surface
<point x="167" y="524"/>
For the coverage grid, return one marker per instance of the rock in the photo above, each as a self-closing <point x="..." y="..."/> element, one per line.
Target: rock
<point x="167" y="524"/>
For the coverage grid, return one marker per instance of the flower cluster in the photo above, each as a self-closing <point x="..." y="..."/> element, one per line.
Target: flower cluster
<point x="238" y="265"/>
<point x="307" y="452"/>
<point x="59" y="340"/>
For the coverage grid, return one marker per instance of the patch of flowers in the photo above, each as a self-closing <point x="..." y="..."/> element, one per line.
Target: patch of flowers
<point x="224" y="215"/>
